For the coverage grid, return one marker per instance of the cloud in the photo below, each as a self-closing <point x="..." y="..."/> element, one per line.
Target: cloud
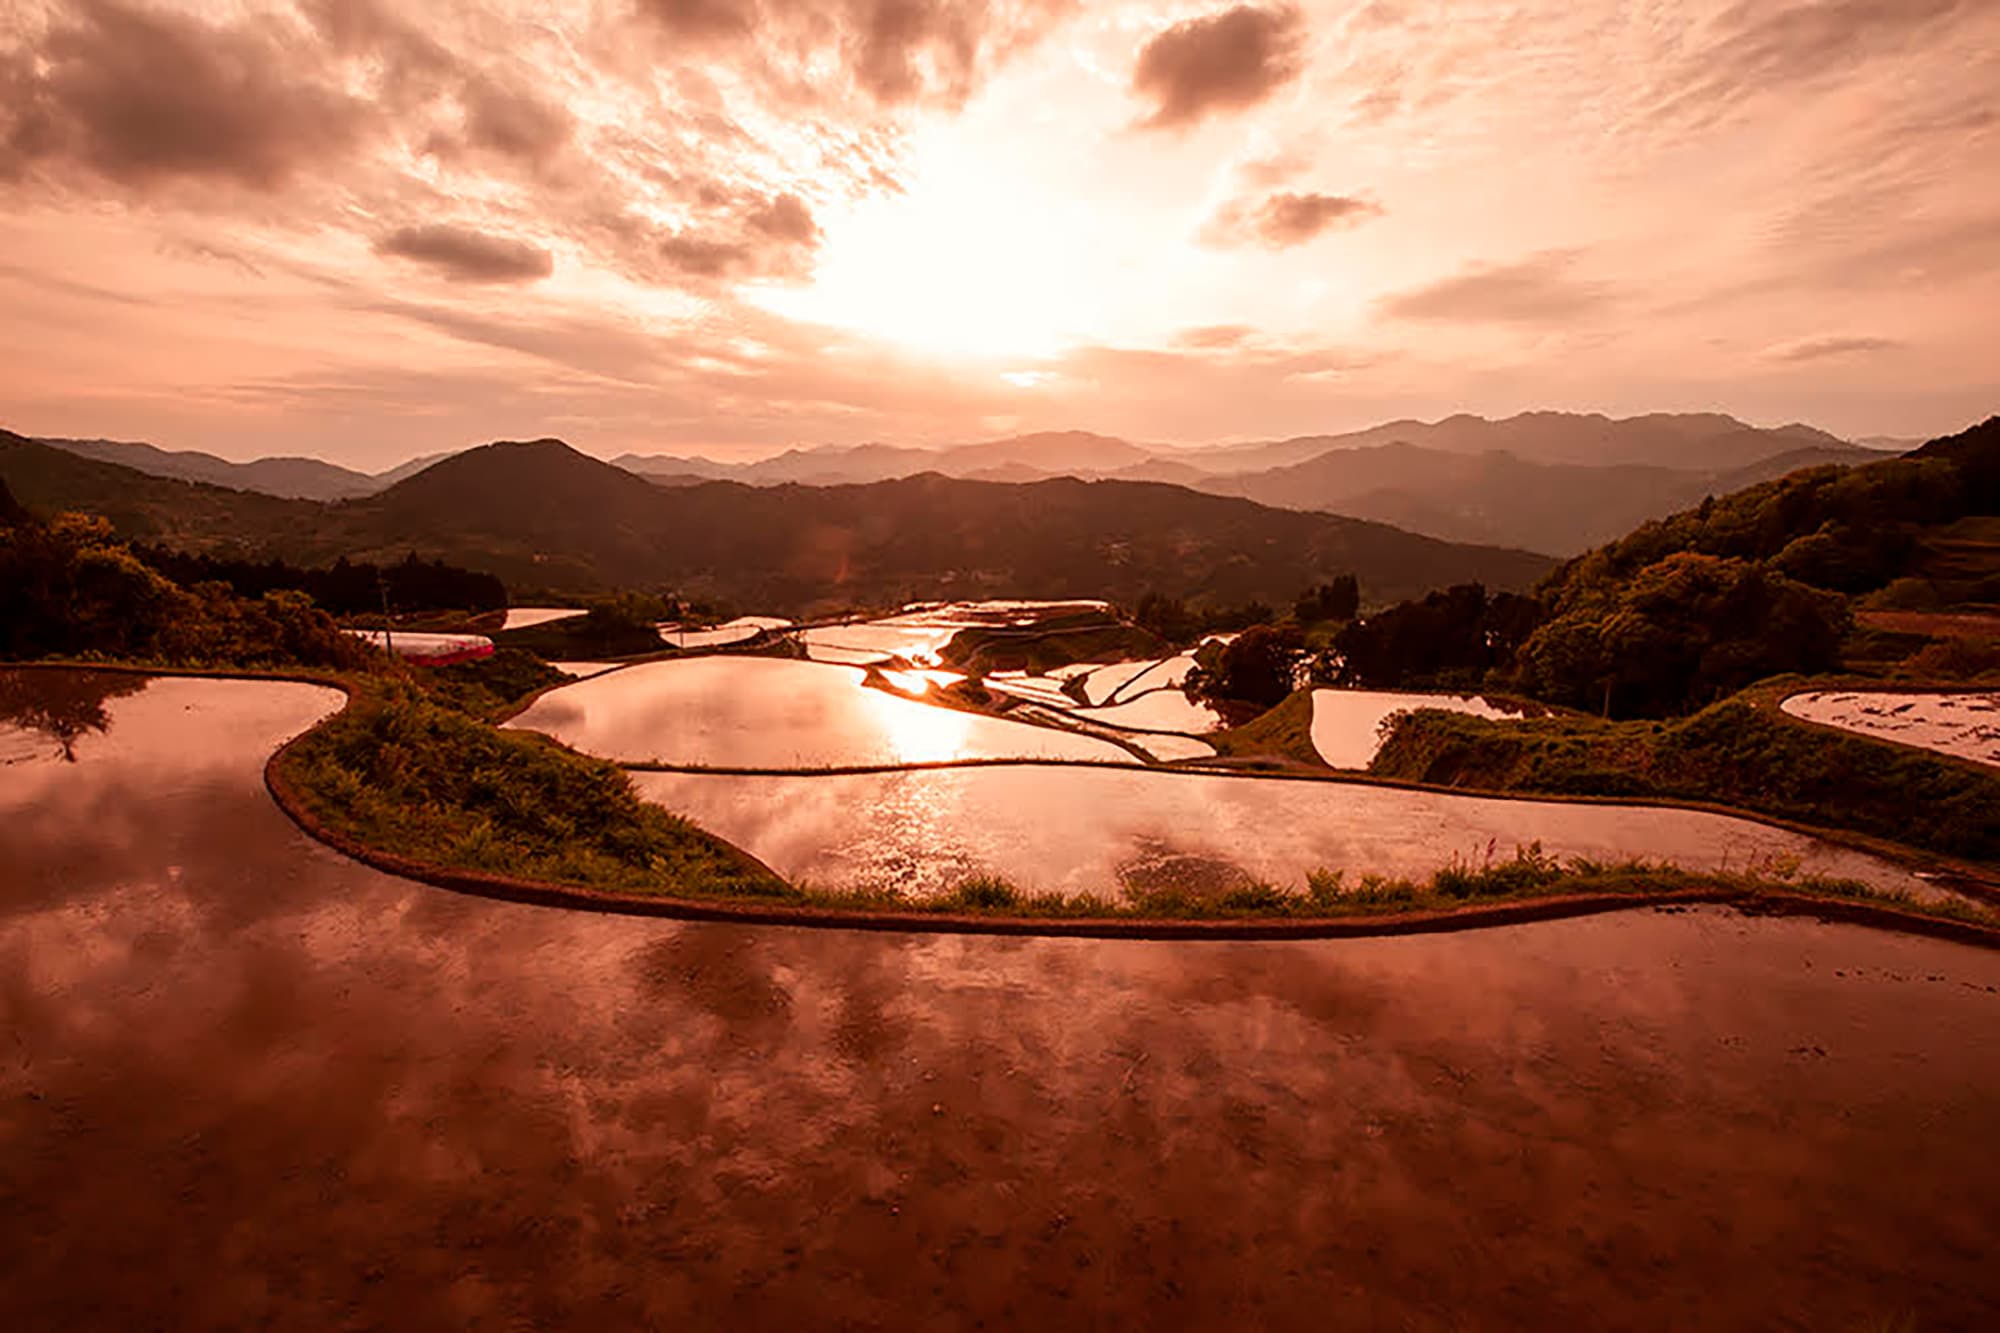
<point x="1758" y="46"/>
<point x="700" y="20"/>
<point x="774" y="237"/>
<point x="142" y="98"/>
<point x="465" y="255"/>
<point x="1279" y="221"/>
<point x="1538" y="290"/>
<point x="1220" y="62"/>
<point x="1819" y="349"/>
<point x="890" y="52"/>
<point x="1210" y="337"/>
<point x="514" y="123"/>
<point x="786" y="219"/>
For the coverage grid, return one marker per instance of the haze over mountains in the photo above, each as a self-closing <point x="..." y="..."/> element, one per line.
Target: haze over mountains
<point x="542" y="516"/>
<point x="1547" y="481"/>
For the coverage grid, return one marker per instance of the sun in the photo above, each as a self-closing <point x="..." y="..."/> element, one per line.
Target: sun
<point x="966" y="264"/>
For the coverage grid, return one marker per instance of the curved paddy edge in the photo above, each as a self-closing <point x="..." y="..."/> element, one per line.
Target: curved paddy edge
<point x="1763" y="900"/>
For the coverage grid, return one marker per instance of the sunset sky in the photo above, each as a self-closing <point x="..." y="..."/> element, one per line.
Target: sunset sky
<point x="368" y="230"/>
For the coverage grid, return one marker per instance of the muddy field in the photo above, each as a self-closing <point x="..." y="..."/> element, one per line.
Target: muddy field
<point x="243" y="1081"/>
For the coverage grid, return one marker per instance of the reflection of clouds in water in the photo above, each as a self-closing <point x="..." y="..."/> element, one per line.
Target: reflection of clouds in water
<point x="1069" y="829"/>
<point x="233" y="1054"/>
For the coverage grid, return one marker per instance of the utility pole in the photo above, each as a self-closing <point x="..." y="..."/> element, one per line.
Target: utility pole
<point x="388" y="625"/>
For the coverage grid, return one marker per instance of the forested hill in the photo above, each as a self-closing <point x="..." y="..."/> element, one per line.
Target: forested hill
<point x="1688" y="609"/>
<point x="143" y="507"/>
<point x="1851" y="530"/>
<point x="539" y="514"/>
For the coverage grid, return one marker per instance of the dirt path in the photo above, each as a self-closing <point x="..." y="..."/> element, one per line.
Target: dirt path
<point x="245" y="1081"/>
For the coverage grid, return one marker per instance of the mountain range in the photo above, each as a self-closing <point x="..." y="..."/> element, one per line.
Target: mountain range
<point x="542" y="516"/>
<point x="1547" y="481"/>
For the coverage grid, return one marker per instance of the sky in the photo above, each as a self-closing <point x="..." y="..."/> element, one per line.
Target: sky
<point x="364" y="230"/>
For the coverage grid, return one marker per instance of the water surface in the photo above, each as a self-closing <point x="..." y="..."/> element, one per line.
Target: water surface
<point x="1964" y="725"/>
<point x="761" y="712"/>
<point x="248" y="1083"/>
<point x="522" y="617"/>
<point x="1077" y="830"/>
<point x="740" y="630"/>
<point x="1347" y="724"/>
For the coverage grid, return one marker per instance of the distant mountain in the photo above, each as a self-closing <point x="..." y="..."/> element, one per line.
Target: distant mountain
<point x="1695" y="441"/>
<point x="191" y="514"/>
<point x="1551" y="481"/>
<point x="395" y="474"/>
<point x="1498" y="497"/>
<point x="1017" y="458"/>
<point x="541" y="514"/>
<point x="294" y="478"/>
<point x="288" y="478"/>
<point x="542" y="509"/>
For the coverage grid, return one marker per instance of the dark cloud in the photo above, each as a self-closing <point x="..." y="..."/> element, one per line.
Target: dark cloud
<point x="785" y="219"/>
<point x="706" y="257"/>
<point x="1540" y="290"/>
<point x="1819" y="349"/>
<point x="514" y="123"/>
<point x="891" y="52"/>
<point x="701" y="20"/>
<point x="465" y="255"/>
<point x="1220" y="62"/>
<point x="142" y="97"/>
<point x="1279" y="221"/>
<point x="773" y="237"/>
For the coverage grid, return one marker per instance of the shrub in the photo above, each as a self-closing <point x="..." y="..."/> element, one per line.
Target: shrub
<point x="986" y="893"/>
<point x="1254" y="898"/>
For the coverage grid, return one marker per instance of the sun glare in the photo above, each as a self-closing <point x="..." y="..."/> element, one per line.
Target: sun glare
<point x="965" y="265"/>
<point x="919" y="733"/>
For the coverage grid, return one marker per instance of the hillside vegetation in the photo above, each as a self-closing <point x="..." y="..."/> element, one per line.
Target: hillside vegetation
<point x="1740" y="752"/>
<point x="1688" y="609"/>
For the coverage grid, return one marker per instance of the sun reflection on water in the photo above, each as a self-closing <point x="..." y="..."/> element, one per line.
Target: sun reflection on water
<point x="915" y="733"/>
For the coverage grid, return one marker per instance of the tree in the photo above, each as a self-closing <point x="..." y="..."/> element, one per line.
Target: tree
<point x="1260" y="666"/>
<point x="1450" y="638"/>
<point x="67" y="588"/>
<point x="1680" y="634"/>
<point x="1338" y="600"/>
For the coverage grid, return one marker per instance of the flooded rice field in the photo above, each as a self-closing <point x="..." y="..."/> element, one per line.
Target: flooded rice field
<point x="1162" y="709"/>
<point x="1347" y="724"/>
<point x="248" y="1082"/>
<point x="1963" y="725"/>
<point x="525" y="617"/>
<point x="1082" y="830"/>
<point x="918" y="633"/>
<point x="765" y="712"/>
<point x="740" y="630"/>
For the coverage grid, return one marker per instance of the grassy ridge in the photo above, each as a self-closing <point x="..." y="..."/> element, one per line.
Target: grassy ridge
<point x="406" y="774"/>
<point x="1740" y="752"/>
<point x="1284" y="731"/>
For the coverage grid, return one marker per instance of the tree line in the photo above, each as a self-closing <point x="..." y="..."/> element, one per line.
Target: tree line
<point x="346" y="587"/>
